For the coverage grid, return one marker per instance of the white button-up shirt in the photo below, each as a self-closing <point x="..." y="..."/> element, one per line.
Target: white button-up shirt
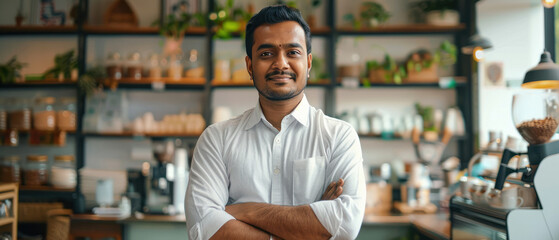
<point x="246" y="159"/>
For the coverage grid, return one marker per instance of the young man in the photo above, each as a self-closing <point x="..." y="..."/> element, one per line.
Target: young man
<point x="282" y="170"/>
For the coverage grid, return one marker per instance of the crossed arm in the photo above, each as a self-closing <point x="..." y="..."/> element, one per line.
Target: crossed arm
<point x="262" y="220"/>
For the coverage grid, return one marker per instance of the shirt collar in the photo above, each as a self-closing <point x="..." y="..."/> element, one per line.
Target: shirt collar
<point x="300" y="113"/>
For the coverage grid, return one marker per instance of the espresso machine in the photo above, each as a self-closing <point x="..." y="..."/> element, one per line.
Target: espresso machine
<point x="160" y="175"/>
<point x="475" y="214"/>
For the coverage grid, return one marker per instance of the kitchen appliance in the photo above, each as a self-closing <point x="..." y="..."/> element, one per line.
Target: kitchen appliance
<point x="159" y="191"/>
<point x="536" y="116"/>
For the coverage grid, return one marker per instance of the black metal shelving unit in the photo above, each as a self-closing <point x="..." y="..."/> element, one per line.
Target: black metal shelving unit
<point x="331" y="33"/>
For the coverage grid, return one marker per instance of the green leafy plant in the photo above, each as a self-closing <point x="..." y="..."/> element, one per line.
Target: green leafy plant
<point x="10" y="71"/>
<point x="374" y="11"/>
<point x="92" y="79"/>
<point x="393" y="72"/>
<point x="446" y="54"/>
<point x="64" y="64"/>
<point x="229" y="20"/>
<point x="426" y="113"/>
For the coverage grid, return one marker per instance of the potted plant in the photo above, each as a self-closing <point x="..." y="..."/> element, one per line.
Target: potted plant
<point x="65" y="67"/>
<point x="439" y="12"/>
<point x="373" y="14"/>
<point x="174" y="27"/>
<point x="422" y="66"/>
<point x="10" y="72"/>
<point x="387" y="72"/>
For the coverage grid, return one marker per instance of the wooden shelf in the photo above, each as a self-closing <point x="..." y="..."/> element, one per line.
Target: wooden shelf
<point x="37" y="29"/>
<point x="105" y="30"/>
<point x="459" y="81"/>
<point x="45" y="189"/>
<point x="39" y="84"/>
<point x="324" y="30"/>
<point x="6" y="221"/>
<point x="10" y="191"/>
<point x="231" y="84"/>
<point x="151" y="83"/>
<point x="402" y="29"/>
<point x="142" y="135"/>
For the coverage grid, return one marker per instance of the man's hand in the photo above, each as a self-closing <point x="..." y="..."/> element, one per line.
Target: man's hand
<point x="334" y="190"/>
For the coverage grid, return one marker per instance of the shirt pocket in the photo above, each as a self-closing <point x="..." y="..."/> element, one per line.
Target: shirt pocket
<point x="308" y="178"/>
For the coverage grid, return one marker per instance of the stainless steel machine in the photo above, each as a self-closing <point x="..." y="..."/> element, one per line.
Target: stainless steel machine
<point x="526" y="207"/>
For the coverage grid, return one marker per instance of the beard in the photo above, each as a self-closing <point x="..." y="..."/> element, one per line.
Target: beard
<point x="274" y="95"/>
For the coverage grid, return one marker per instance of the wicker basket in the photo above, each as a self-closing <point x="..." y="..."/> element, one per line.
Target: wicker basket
<point x="36" y="212"/>
<point x="58" y="224"/>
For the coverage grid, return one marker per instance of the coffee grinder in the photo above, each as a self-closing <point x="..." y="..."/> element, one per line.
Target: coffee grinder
<point x="159" y="192"/>
<point x="536" y="117"/>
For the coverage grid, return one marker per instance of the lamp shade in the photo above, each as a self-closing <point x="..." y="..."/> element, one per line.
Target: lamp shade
<point x="474" y="41"/>
<point x="545" y="75"/>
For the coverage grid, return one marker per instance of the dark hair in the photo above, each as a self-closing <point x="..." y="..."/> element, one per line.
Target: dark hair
<point x="271" y="15"/>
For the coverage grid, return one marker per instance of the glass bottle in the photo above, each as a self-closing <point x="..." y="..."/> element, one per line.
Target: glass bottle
<point x="175" y="67"/>
<point x="114" y="66"/>
<point x="63" y="172"/>
<point x="134" y="66"/>
<point x="154" y="67"/>
<point x="44" y="116"/>
<point x="10" y="169"/>
<point x="19" y="117"/>
<point x="66" y="114"/>
<point x="35" y="171"/>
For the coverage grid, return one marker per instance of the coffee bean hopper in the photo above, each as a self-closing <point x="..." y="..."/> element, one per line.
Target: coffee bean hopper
<point x="536" y="117"/>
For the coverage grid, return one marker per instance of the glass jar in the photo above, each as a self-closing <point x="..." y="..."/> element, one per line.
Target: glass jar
<point x="66" y="114"/>
<point x="44" y="116"/>
<point x="175" y="67"/>
<point x="154" y="68"/>
<point x="10" y="169"/>
<point x="114" y="66"/>
<point x="35" y="171"/>
<point x="63" y="172"/>
<point x="134" y="66"/>
<point x="193" y="68"/>
<point x="19" y="115"/>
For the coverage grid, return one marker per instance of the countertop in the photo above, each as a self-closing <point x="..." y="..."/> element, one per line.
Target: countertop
<point x="437" y="225"/>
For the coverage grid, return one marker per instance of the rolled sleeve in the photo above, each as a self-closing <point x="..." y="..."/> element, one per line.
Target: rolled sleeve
<point x="207" y="192"/>
<point x="343" y="216"/>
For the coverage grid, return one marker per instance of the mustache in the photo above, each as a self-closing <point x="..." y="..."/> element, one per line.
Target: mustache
<point x="291" y="74"/>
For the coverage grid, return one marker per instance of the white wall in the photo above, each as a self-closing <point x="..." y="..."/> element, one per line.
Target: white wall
<point x="516" y="29"/>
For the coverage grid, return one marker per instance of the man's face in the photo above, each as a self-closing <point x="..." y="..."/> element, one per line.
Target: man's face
<point x="280" y="65"/>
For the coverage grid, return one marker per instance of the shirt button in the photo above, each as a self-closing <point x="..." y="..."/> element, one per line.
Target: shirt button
<point x="277" y="140"/>
<point x="276" y="170"/>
